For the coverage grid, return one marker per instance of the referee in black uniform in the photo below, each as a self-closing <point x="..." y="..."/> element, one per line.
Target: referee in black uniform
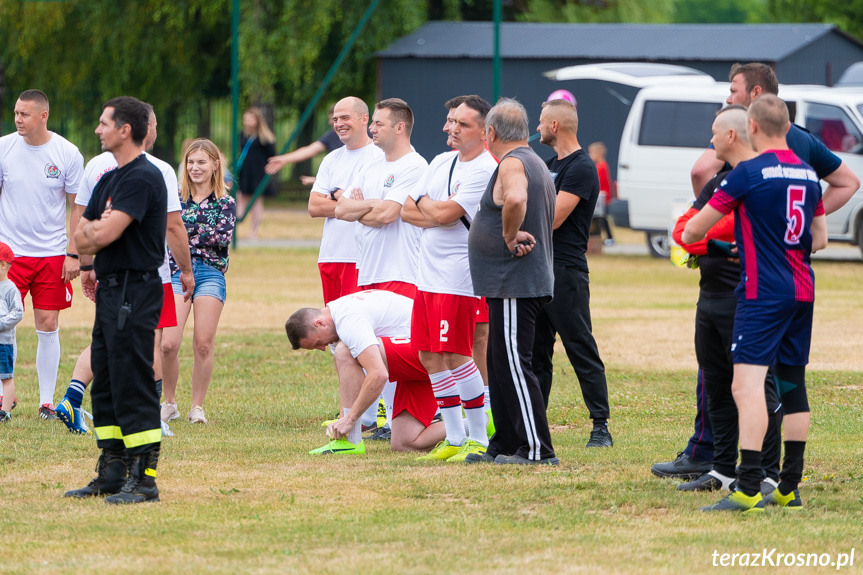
<point x="124" y="224"/>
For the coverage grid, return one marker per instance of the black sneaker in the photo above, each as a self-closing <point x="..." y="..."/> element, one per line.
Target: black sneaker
<point x="600" y="437"/>
<point x="381" y="434"/>
<point x="710" y="481"/>
<point x="519" y="460"/>
<point x="479" y="458"/>
<point x="683" y="467"/>
<point x="5" y="416"/>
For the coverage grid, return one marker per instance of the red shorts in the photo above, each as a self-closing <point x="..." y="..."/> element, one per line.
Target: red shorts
<point x="482" y="311"/>
<point x="401" y="288"/>
<point x="443" y="323"/>
<point x="413" y="389"/>
<point x="338" y="279"/>
<point x="43" y="278"/>
<point x="169" y="310"/>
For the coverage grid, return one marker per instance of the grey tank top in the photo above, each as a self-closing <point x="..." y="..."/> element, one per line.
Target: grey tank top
<point x="493" y="269"/>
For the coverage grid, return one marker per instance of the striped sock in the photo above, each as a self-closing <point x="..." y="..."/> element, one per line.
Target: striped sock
<point x="471" y="392"/>
<point x="75" y="393"/>
<point x="446" y="394"/>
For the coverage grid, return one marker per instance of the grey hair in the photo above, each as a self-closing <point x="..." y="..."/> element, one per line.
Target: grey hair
<point x="509" y="120"/>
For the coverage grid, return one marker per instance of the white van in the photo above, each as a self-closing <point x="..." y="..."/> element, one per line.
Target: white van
<point x="668" y="128"/>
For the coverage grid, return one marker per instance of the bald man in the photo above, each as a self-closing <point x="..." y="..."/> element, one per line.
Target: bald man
<point x="568" y="314"/>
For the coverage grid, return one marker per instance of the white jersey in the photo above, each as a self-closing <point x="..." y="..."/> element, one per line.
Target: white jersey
<point x="337" y="170"/>
<point x="104" y="163"/>
<point x="389" y="253"/>
<point x="361" y="318"/>
<point x="443" y="262"/>
<point x="34" y="183"/>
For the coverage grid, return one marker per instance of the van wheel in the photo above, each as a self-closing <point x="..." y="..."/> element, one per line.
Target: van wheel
<point x="657" y="244"/>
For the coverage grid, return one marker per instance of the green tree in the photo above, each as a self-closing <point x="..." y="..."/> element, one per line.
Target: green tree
<point x="721" y="11"/>
<point x="598" y="11"/>
<point x="847" y="14"/>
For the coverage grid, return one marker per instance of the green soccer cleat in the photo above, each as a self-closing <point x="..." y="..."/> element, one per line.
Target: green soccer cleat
<point x="382" y="413"/>
<point x="791" y="502"/>
<point x="468" y="447"/>
<point x="340" y="446"/>
<point x="737" y="501"/>
<point x="441" y="452"/>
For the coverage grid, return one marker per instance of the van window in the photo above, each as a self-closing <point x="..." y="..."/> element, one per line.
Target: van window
<point x="834" y="128"/>
<point x="677" y="124"/>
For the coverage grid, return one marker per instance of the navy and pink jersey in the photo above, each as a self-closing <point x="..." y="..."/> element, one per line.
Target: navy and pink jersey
<point x="775" y="197"/>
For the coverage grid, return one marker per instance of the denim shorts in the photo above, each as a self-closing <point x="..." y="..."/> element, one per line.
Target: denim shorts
<point x="208" y="281"/>
<point x="7" y="361"/>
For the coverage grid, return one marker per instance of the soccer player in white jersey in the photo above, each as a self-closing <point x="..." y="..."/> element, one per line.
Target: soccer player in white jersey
<point x="371" y="331"/>
<point x="388" y="247"/>
<point x="338" y="254"/>
<point x="38" y="171"/>
<point x="69" y="409"/>
<point x="444" y="313"/>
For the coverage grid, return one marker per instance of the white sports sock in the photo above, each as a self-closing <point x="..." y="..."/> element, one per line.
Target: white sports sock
<point x="47" y="364"/>
<point x="487" y="402"/>
<point x="470" y="389"/>
<point x="356" y="434"/>
<point x="446" y="392"/>
<point x="370" y="417"/>
<point x="389" y="394"/>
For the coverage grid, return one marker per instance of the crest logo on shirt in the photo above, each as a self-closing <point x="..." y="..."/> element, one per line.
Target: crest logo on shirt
<point x="390" y="179"/>
<point x="52" y="171"/>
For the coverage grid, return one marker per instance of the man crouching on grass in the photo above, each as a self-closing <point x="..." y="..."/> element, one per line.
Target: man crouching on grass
<point x="369" y="333"/>
<point x="778" y="222"/>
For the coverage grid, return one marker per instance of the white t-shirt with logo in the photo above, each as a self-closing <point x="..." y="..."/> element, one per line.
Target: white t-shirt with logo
<point x="389" y="253"/>
<point x="338" y="169"/>
<point x="443" y="262"/>
<point x="34" y="183"/>
<point x="361" y="318"/>
<point x="104" y="163"/>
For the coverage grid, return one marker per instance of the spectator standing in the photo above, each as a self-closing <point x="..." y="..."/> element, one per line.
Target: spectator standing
<point x="258" y="145"/>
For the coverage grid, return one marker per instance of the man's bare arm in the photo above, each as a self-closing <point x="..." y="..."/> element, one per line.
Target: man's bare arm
<point x="706" y="166"/>
<point x="841" y="185"/>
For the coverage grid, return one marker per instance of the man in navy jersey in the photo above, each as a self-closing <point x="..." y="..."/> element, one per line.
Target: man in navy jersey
<point x="748" y="82"/>
<point x="779" y="222"/>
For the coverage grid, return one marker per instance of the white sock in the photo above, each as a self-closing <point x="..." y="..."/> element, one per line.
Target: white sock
<point x="487" y="402"/>
<point x="389" y="394"/>
<point x="47" y="364"/>
<point x="470" y="389"/>
<point x="356" y="434"/>
<point x="446" y="393"/>
<point x="370" y="417"/>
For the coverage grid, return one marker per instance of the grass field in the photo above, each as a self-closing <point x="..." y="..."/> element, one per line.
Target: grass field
<point x="241" y="495"/>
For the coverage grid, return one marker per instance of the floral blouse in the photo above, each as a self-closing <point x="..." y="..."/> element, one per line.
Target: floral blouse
<point x="210" y="226"/>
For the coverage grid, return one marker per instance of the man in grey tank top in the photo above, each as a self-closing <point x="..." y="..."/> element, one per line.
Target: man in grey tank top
<point x="510" y="253"/>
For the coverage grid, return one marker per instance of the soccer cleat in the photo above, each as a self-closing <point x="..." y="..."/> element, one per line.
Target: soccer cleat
<point x="767" y="485"/>
<point x="791" y="502"/>
<point x="381" y="434"/>
<point x="340" y="446"/>
<point x="111" y="474"/>
<point x="737" y="501"/>
<point x="72" y="418"/>
<point x="5" y="416"/>
<point x="710" y="481"/>
<point x="489" y="428"/>
<point x="382" y="413"/>
<point x="600" y="437"/>
<point x="140" y="485"/>
<point x="683" y="467"/>
<point x="519" y="460"/>
<point x="468" y="447"/>
<point x="441" y="452"/>
<point x="196" y="415"/>
<point x="14" y="402"/>
<point x="168" y="412"/>
<point x="46" y="411"/>
<point x="483" y="457"/>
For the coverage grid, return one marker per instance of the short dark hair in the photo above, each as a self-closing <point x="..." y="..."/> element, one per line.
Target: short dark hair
<point x="756" y="74"/>
<point x="37" y="96"/>
<point x="478" y="104"/>
<point x="771" y="115"/>
<point x="299" y="325"/>
<point x="399" y="112"/>
<point x="454" y="103"/>
<point x="128" y="110"/>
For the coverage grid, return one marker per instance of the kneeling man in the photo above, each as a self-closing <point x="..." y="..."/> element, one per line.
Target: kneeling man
<point x="370" y="332"/>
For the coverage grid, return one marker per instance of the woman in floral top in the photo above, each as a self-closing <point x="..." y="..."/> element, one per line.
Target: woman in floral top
<point x="209" y="214"/>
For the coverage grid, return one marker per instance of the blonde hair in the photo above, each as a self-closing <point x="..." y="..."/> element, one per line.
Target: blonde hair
<point x="264" y="133"/>
<point x="218" y="179"/>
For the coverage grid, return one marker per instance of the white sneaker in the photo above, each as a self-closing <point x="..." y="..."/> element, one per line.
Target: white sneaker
<point x="196" y="415"/>
<point x="168" y="412"/>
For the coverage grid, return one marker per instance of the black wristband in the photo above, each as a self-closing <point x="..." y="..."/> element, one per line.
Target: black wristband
<point x="333" y="194"/>
<point x="68" y="255"/>
<point x="86" y="268"/>
<point x="417" y="201"/>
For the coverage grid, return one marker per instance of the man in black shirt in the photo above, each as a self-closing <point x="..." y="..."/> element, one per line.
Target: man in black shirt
<point x="568" y="314"/>
<point x="125" y="224"/>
